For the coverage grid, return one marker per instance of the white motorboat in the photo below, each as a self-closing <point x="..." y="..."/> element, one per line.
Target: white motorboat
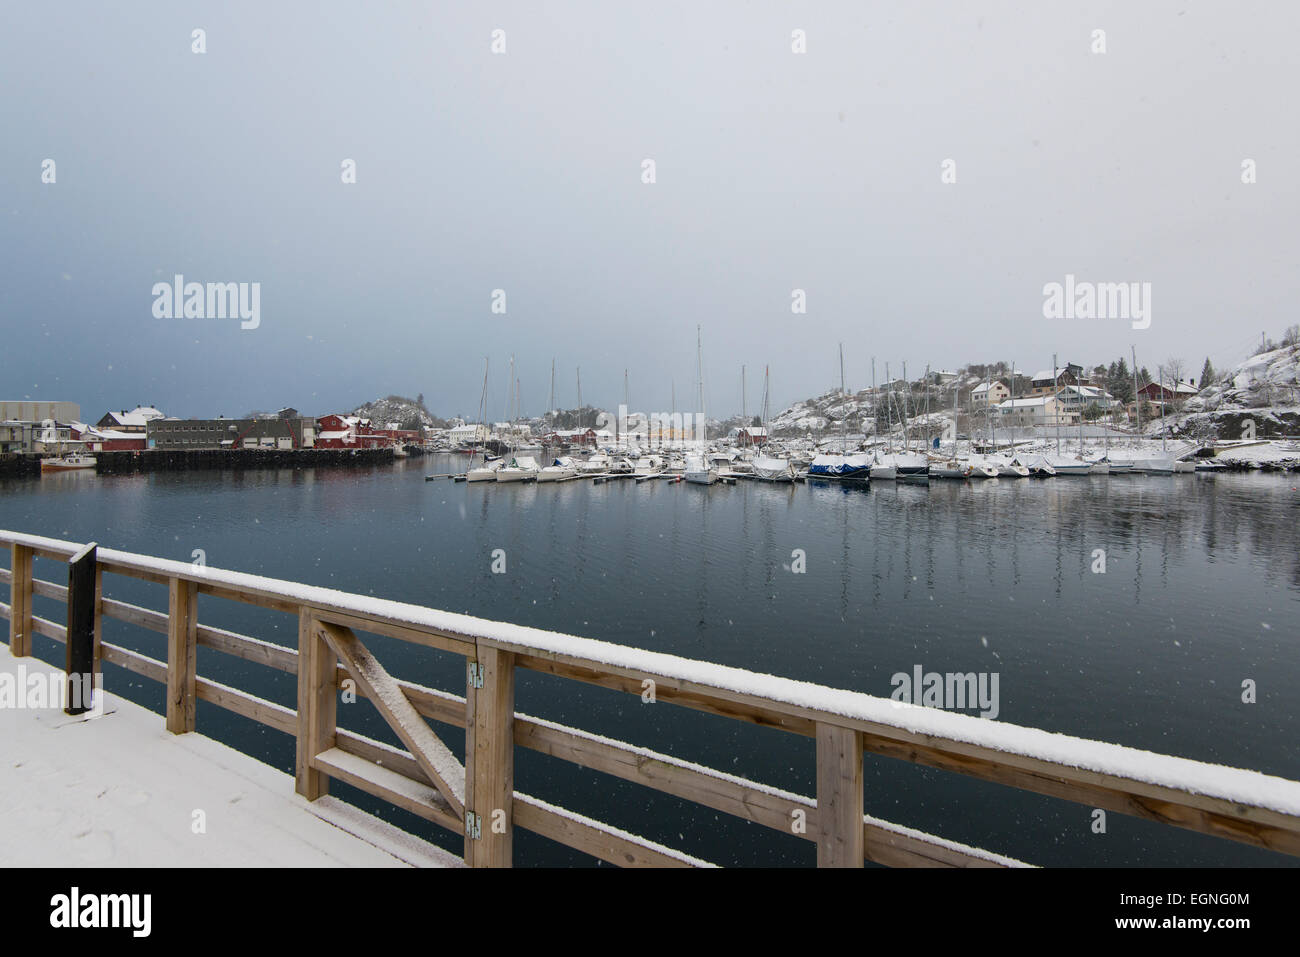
<point x="1008" y="467"/>
<point x="68" y="463"/>
<point x="1039" y="467"/>
<point x="882" y="471"/>
<point x="1062" y="465"/>
<point x="487" y="472"/>
<point x="595" y="464"/>
<point x="949" y="468"/>
<point x="842" y="467"/>
<point x="562" y="468"/>
<point x="1181" y="467"/>
<point x="1153" y="465"/>
<point x="699" y="471"/>
<point x="522" y="468"/>
<point x="772" y="469"/>
<point x="981" y="468"/>
<point x="907" y="464"/>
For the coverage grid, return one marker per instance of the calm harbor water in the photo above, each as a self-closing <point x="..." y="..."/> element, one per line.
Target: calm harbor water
<point x="1201" y="591"/>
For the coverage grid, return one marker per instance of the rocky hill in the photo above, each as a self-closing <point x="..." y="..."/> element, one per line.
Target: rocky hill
<point x="407" y="413"/>
<point x="1260" y="395"/>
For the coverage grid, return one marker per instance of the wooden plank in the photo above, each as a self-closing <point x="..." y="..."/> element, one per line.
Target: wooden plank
<point x="410" y="795"/>
<point x="668" y="690"/>
<point x="249" y="649"/>
<point x="50" y="629"/>
<point x="4" y="576"/>
<point x="247" y="597"/>
<point x="722" y="792"/>
<point x="444" y="771"/>
<point x="182" y="645"/>
<point x="385" y="755"/>
<point x="20" y="601"/>
<point x="429" y="702"/>
<point x="893" y="848"/>
<point x="49" y="589"/>
<point x="317" y="707"/>
<point x="594" y="838"/>
<point x="1260" y="827"/>
<point x="250" y="706"/>
<point x="390" y="629"/>
<point x="136" y="615"/>
<point x="840" y="838"/>
<point x="127" y="570"/>
<point x="490" y="758"/>
<point x="143" y="665"/>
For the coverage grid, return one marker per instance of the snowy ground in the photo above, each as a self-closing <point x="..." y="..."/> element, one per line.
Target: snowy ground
<point x="119" y="791"/>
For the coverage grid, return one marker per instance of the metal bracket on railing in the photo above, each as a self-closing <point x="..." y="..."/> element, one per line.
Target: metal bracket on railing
<point x="473" y="826"/>
<point x="476" y="674"/>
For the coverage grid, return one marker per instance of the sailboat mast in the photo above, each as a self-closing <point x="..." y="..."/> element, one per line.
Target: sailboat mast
<point x="767" y="385"/>
<point x="927" y="403"/>
<point x="699" y="372"/>
<point x="844" y="419"/>
<point x="1163" y="443"/>
<point x="907" y="443"/>
<point x="1137" y="402"/>
<point x="1056" y="409"/>
<point x="889" y="410"/>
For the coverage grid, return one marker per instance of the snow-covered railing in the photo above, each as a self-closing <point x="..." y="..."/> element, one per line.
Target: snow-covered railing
<point x="478" y="798"/>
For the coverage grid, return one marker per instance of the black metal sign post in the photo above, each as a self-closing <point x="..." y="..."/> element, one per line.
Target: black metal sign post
<point x="80" y="662"/>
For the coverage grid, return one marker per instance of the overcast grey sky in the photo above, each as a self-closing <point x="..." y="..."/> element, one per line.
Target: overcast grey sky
<point x="523" y="171"/>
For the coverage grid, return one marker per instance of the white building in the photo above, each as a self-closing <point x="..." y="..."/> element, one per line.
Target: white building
<point x="988" y="393"/>
<point x="468" y="434"/>
<point x="1080" y="397"/>
<point x="1037" y="410"/>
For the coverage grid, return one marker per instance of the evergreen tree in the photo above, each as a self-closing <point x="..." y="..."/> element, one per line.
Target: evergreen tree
<point x="1207" y="374"/>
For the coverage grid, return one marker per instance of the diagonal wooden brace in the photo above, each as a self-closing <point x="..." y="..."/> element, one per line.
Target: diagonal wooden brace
<point x="435" y="760"/>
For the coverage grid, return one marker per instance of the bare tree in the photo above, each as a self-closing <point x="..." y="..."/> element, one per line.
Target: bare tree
<point x="1174" y="370"/>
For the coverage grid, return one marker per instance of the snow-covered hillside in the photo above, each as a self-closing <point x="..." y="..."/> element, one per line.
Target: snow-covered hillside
<point x="1260" y="396"/>
<point x="407" y="413"/>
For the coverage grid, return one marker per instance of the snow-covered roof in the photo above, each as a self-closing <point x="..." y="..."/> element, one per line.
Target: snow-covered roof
<point x="1025" y="403"/>
<point x="984" y="387"/>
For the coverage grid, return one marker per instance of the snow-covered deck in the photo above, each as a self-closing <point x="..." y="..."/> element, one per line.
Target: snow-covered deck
<point x="119" y="791"/>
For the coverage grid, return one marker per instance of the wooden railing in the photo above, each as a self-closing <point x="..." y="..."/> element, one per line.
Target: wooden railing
<point x="478" y="798"/>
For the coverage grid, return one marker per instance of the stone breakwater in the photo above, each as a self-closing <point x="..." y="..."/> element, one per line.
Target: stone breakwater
<point x="121" y="463"/>
<point x="16" y="464"/>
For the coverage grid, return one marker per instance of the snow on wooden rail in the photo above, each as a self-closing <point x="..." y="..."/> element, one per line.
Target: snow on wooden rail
<point x="1239" y="804"/>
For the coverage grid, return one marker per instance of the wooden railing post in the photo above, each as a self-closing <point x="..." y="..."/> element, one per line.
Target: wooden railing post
<point x="182" y="652"/>
<point x="79" y="640"/>
<point x="20" y="601"/>
<point x="317" y="706"/>
<point x="840" y="841"/>
<point x="490" y="759"/>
